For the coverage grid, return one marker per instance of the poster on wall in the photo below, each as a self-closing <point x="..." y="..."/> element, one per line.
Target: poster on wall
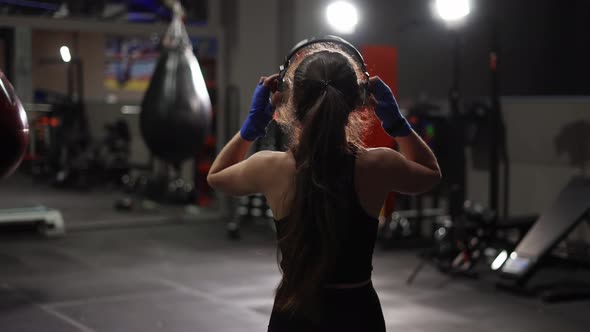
<point x="130" y="61"/>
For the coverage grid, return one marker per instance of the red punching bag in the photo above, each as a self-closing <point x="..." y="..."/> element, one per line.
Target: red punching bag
<point x="14" y="129"/>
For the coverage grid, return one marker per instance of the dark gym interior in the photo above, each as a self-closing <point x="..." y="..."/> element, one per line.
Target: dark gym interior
<point x="112" y="113"/>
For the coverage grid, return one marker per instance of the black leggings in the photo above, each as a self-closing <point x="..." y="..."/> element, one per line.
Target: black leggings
<point x="345" y="310"/>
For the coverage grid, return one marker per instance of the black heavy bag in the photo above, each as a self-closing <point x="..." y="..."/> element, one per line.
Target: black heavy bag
<point x="14" y="129"/>
<point x="175" y="113"/>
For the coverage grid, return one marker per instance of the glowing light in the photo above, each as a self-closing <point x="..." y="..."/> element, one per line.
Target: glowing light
<point x="342" y="16"/>
<point x="500" y="260"/>
<point x="65" y="54"/>
<point x="453" y="10"/>
<point x="513" y="255"/>
<point x="130" y="109"/>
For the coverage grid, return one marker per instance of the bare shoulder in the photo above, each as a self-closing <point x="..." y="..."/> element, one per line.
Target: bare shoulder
<point x="388" y="169"/>
<point x="377" y="168"/>
<point x="377" y="158"/>
<point x="273" y="163"/>
<point x="274" y="157"/>
<point x="275" y="171"/>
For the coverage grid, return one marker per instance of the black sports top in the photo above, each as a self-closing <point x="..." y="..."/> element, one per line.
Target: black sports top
<point x="354" y="262"/>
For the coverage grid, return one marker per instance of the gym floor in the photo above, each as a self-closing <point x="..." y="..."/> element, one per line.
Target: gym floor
<point x="187" y="276"/>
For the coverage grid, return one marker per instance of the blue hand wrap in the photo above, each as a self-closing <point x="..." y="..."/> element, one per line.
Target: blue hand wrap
<point x="260" y="114"/>
<point x="387" y="111"/>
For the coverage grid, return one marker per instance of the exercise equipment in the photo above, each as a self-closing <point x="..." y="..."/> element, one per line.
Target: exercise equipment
<point x="404" y="229"/>
<point x="102" y="161"/>
<point x="66" y="142"/>
<point x="470" y="233"/>
<point x="460" y="245"/>
<point x="571" y="208"/>
<point x="48" y="222"/>
<point x="176" y="113"/>
<point x="41" y="126"/>
<point x="14" y="136"/>
<point x="467" y="235"/>
<point x="175" y="121"/>
<point x="166" y="186"/>
<point x="14" y="128"/>
<point x="251" y="208"/>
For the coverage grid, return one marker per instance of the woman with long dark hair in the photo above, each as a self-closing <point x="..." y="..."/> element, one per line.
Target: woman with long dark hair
<point x="326" y="190"/>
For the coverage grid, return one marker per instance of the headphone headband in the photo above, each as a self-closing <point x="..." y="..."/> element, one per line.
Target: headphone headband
<point x="353" y="51"/>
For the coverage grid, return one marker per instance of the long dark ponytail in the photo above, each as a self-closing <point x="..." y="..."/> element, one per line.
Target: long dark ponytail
<point x="325" y="91"/>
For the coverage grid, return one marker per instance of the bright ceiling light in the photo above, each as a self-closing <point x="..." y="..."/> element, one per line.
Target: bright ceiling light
<point x="342" y="16"/>
<point x="453" y="10"/>
<point x="65" y="54"/>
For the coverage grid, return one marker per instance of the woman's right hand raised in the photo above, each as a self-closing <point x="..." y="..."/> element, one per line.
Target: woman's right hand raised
<point x="387" y="109"/>
<point x="261" y="109"/>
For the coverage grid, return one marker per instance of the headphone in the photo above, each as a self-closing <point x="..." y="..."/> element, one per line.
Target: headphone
<point x="353" y="51"/>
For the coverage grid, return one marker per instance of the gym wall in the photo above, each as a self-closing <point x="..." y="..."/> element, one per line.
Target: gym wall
<point x="90" y="47"/>
<point x="252" y="31"/>
<point x="538" y="172"/>
<point x="53" y="77"/>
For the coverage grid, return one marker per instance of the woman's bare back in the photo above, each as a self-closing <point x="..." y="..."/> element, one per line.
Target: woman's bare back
<point x="280" y="194"/>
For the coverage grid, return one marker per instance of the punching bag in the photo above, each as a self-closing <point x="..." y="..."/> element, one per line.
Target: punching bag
<point x="176" y="110"/>
<point x="14" y="129"/>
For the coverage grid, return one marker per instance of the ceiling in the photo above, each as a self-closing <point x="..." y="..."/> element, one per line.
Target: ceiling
<point x="109" y="10"/>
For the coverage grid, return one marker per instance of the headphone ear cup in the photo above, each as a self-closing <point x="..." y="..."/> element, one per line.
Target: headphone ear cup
<point x="283" y="85"/>
<point x="281" y="79"/>
<point x="364" y="93"/>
